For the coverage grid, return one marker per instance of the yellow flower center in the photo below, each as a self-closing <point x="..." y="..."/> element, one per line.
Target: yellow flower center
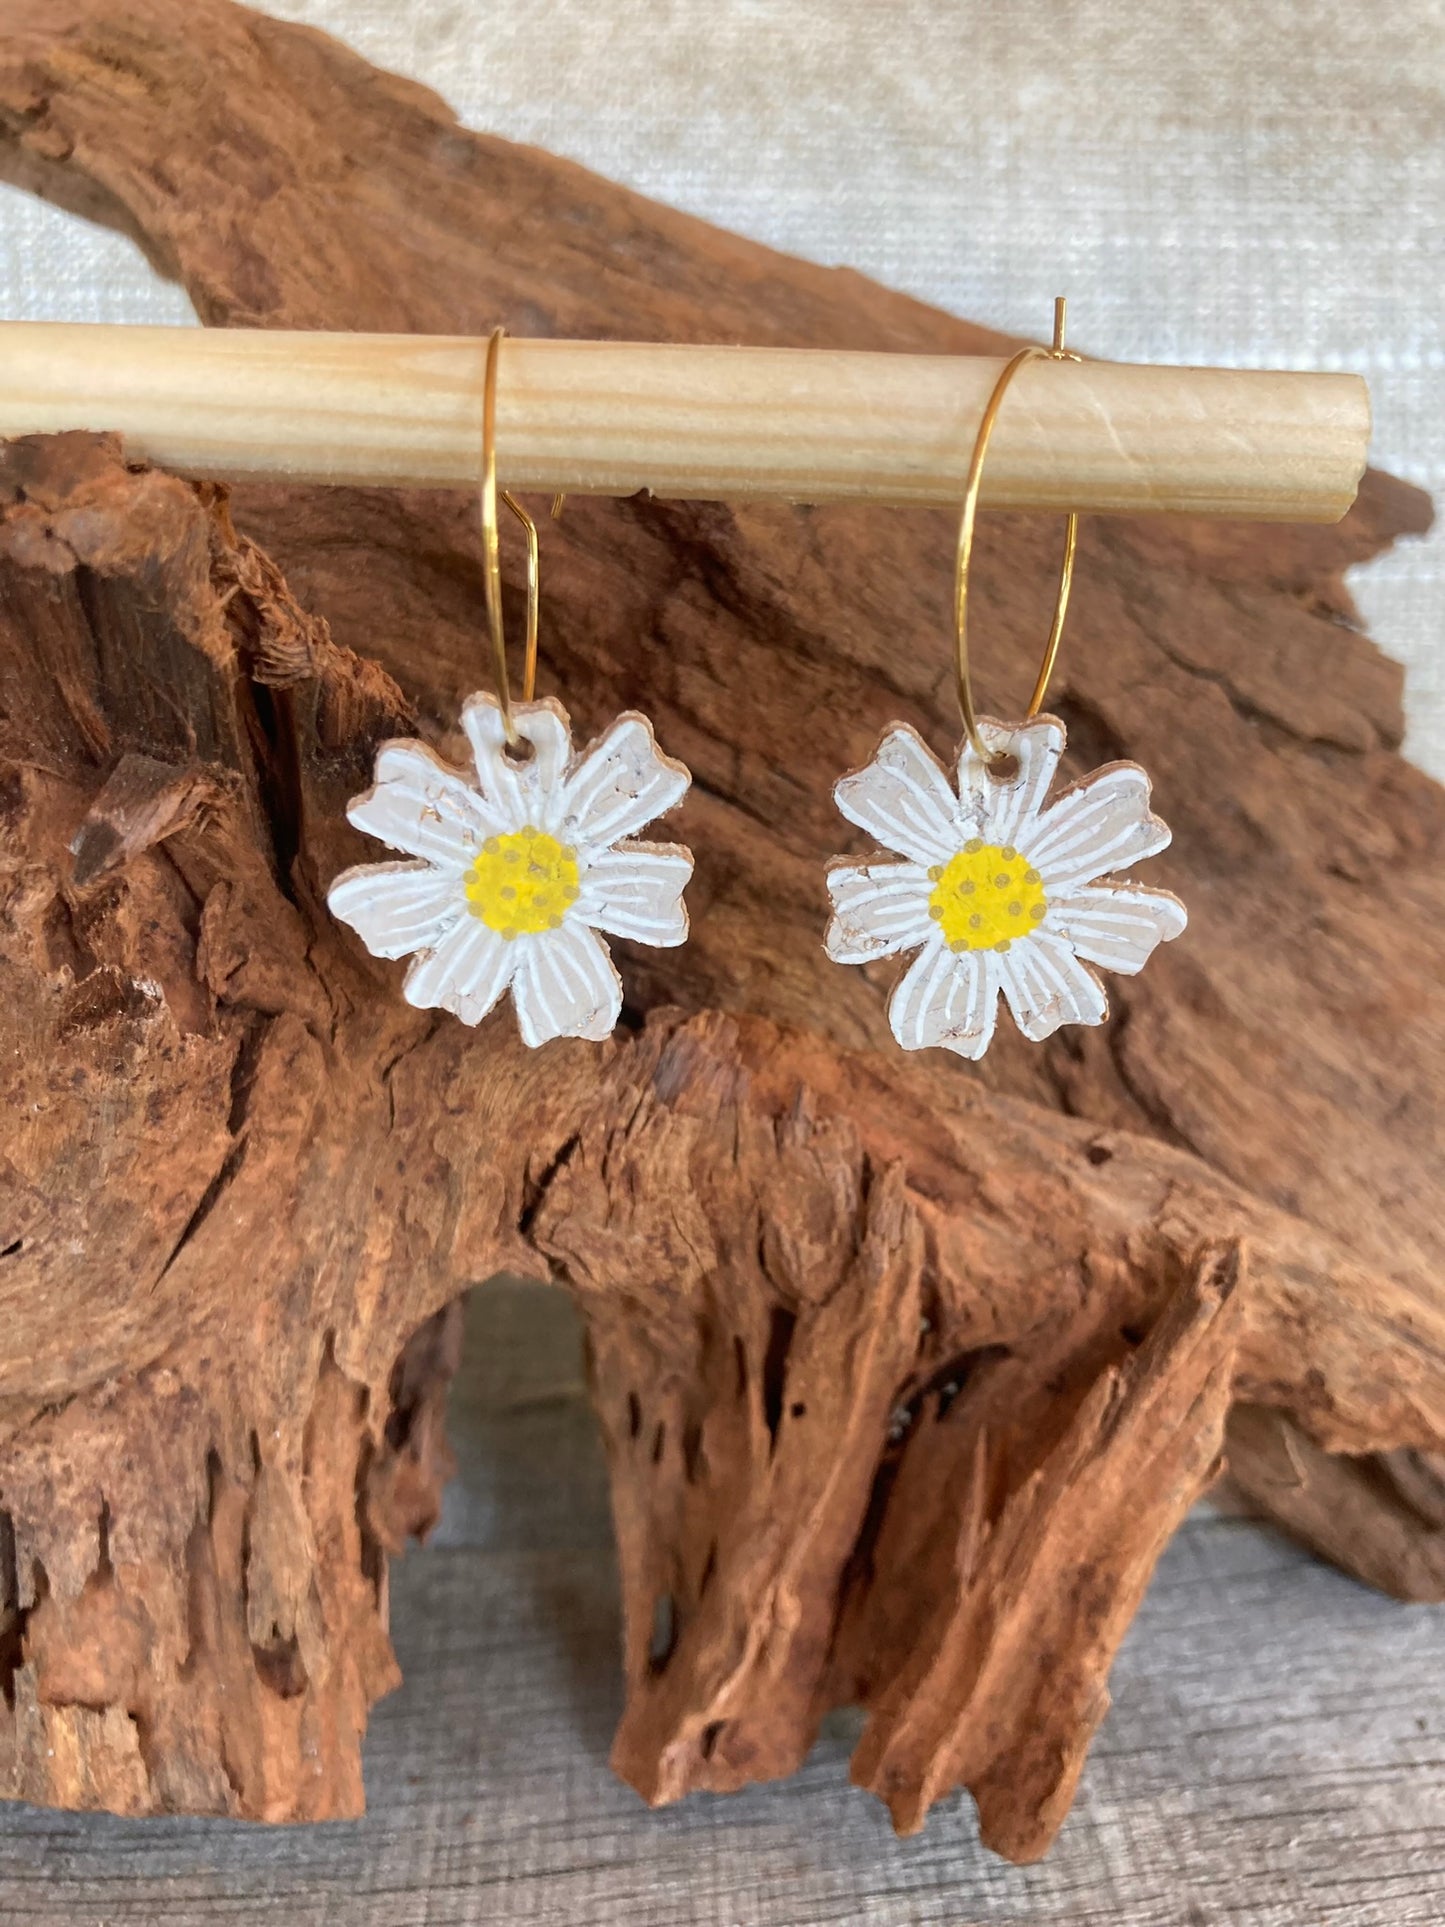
<point x="985" y="897"/>
<point x="523" y="882"/>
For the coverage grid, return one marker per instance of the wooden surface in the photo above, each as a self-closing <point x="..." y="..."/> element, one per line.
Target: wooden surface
<point x="1275" y="1756"/>
<point x="251" y="1181"/>
<point x="689" y="421"/>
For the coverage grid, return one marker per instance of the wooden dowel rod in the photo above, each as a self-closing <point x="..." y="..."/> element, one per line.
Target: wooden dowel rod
<point x="608" y="418"/>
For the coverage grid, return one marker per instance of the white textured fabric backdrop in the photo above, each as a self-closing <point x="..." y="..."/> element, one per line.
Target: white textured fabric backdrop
<point x="1208" y="182"/>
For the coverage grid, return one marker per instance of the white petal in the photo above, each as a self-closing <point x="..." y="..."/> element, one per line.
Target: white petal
<point x="527" y="793"/>
<point x="636" y="891"/>
<point x="621" y="782"/>
<point x="997" y="809"/>
<point x="1103" y="824"/>
<point x="466" y="973"/>
<point x="1116" y="926"/>
<point x="948" y="999"/>
<point x="878" y="908"/>
<point x="396" y="908"/>
<point x="1047" y="986"/>
<point x="566" y="986"/>
<point x="903" y="798"/>
<point x="422" y="806"/>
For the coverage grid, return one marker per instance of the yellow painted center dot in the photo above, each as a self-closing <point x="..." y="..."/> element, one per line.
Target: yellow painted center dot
<point x="985" y="897"/>
<point x="523" y="882"/>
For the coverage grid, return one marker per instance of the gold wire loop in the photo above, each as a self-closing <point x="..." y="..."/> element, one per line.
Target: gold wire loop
<point x="529" y="660"/>
<point x="492" y="555"/>
<point x="1057" y="352"/>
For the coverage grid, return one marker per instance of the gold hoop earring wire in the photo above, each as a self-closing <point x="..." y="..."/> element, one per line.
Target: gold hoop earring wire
<point x="492" y="556"/>
<point x="1057" y="352"/>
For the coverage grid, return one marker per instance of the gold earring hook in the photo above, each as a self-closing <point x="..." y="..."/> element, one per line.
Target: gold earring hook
<point x="492" y="556"/>
<point x="1057" y="352"/>
<point x="529" y="660"/>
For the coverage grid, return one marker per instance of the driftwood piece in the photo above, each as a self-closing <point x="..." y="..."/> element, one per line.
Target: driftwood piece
<point x="857" y="1326"/>
<point x="905" y="1371"/>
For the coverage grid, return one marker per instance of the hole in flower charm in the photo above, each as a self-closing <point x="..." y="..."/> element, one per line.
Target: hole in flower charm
<point x="516" y="872"/>
<point x="999" y="890"/>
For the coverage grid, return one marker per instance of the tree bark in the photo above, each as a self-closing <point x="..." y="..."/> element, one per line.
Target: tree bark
<point x="906" y="1370"/>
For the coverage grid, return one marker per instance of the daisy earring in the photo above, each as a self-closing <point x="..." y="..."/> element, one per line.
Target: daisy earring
<point x="515" y="869"/>
<point x="999" y="888"/>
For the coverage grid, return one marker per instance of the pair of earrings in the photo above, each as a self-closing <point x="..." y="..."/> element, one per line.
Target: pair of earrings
<point x="520" y="872"/>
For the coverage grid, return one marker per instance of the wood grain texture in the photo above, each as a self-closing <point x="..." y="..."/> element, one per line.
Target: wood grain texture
<point x="859" y="1325"/>
<point x="714" y="424"/>
<point x="1273" y="1757"/>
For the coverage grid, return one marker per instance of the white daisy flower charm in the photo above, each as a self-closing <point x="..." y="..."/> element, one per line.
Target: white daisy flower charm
<point x="517" y="871"/>
<point x="999" y="891"/>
